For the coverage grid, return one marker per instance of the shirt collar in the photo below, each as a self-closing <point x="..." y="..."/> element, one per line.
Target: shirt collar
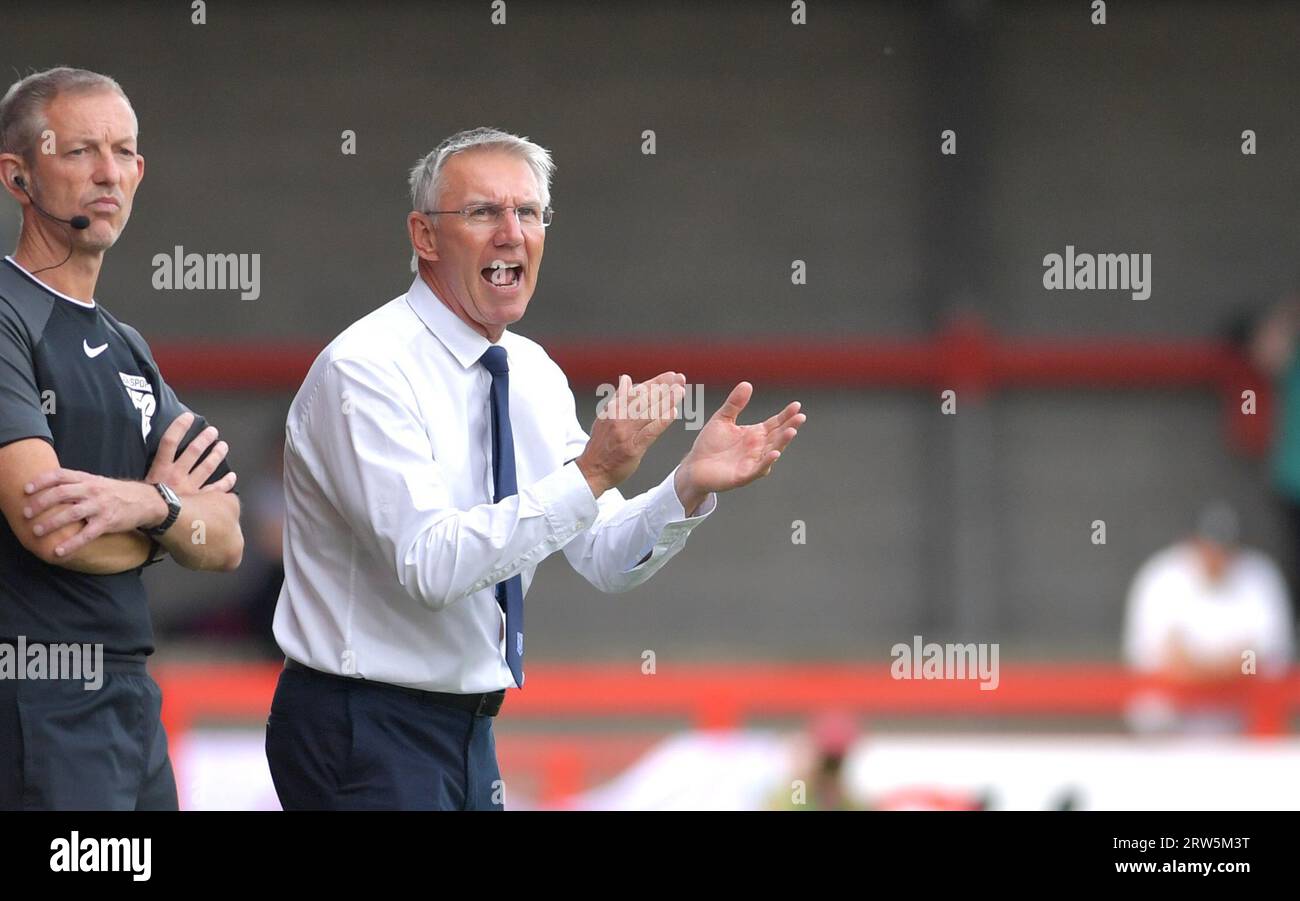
<point x="19" y="266"/>
<point x="465" y="344"/>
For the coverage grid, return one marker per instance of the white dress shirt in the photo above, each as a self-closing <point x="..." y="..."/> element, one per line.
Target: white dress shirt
<point x="1249" y="608"/>
<point x="392" y="545"/>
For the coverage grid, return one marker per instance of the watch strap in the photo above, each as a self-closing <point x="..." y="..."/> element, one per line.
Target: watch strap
<point x="173" y="511"/>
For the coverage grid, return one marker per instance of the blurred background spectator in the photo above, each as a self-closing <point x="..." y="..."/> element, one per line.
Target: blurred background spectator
<point x="1206" y="612"/>
<point x="817" y="776"/>
<point x="1273" y="349"/>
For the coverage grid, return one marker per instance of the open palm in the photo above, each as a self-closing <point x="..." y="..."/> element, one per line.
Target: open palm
<point x="727" y="455"/>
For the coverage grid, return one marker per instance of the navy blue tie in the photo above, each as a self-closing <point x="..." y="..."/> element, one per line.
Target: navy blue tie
<point x="510" y="593"/>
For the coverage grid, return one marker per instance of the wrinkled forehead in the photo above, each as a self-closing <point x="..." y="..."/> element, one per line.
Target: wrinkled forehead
<point x="91" y="115"/>
<point x="490" y="175"/>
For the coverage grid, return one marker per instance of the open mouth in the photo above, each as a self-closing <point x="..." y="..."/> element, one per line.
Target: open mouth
<point x="503" y="276"/>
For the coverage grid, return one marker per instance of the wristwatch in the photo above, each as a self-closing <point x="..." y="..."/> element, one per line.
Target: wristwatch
<point x="173" y="511"/>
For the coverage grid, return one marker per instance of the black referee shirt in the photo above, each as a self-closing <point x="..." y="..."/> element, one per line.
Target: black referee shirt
<point x="88" y="384"/>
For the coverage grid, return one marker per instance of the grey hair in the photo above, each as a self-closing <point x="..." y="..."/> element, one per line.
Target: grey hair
<point x="22" y="111"/>
<point x="427" y="177"/>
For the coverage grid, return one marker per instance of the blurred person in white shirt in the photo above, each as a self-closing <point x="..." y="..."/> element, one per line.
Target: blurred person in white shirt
<point x="1198" y="613"/>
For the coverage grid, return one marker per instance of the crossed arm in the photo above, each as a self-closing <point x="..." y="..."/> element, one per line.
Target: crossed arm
<point x="89" y="523"/>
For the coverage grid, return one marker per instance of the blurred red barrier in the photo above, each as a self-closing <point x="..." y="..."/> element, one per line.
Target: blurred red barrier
<point x="964" y="356"/>
<point x="724" y="696"/>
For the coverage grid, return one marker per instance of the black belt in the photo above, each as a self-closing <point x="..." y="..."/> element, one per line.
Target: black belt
<point x="485" y="704"/>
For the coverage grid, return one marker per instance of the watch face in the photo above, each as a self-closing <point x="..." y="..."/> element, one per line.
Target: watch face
<point x="169" y="496"/>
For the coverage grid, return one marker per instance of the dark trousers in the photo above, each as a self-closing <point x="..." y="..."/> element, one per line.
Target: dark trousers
<point x="65" y="748"/>
<point x="347" y="744"/>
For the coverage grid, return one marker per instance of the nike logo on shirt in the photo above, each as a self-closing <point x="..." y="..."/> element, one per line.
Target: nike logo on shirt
<point x="93" y="352"/>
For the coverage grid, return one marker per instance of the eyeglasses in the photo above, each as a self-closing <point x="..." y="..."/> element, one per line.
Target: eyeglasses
<point x="530" y="215"/>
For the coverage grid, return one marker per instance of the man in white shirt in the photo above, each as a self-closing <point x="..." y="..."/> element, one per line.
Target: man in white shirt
<point x="433" y="458"/>
<point x="1194" y="611"/>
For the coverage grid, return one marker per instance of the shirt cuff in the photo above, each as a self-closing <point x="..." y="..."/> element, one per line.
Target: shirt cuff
<point x="666" y="520"/>
<point x="673" y="504"/>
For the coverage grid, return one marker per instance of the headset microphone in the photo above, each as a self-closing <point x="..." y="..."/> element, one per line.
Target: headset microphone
<point x="77" y="222"/>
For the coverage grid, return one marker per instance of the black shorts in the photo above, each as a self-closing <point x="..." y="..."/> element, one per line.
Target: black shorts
<point x="63" y="747"/>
